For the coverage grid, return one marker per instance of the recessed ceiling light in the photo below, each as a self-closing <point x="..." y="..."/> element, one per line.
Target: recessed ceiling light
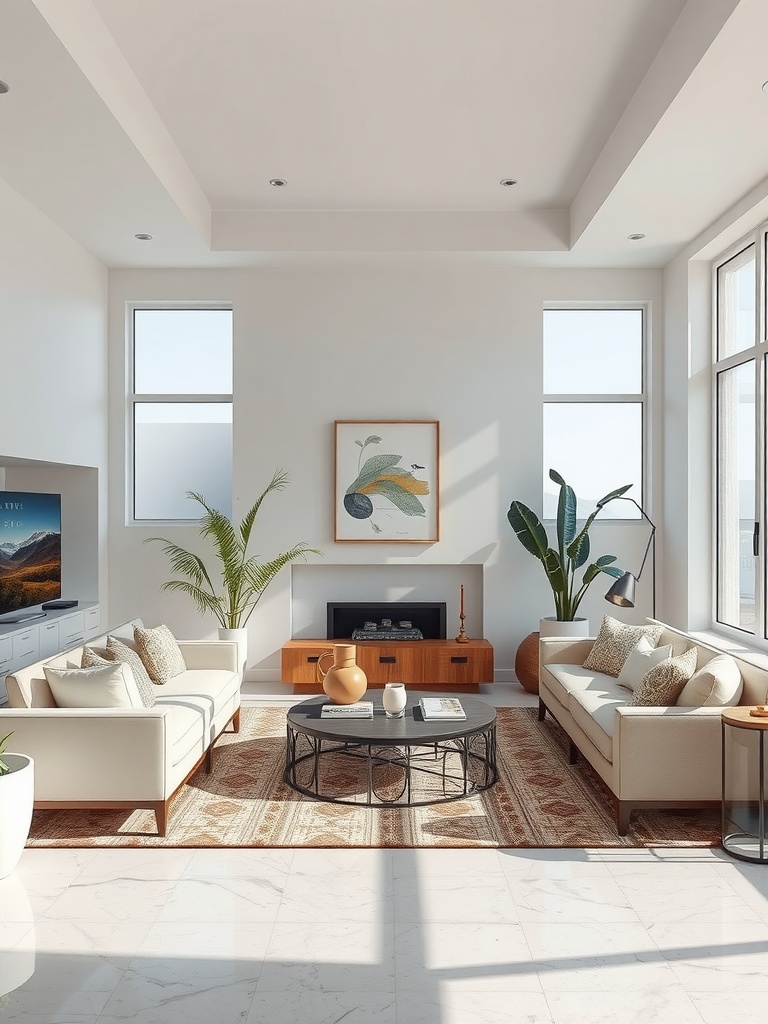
<point x="636" y="236"/>
<point x="278" y="182"/>
<point x="143" y="237"/>
<point x="508" y="182"/>
<point x="3" y="87"/>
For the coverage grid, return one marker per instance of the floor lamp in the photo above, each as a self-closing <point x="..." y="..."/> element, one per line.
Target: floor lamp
<point x="622" y="593"/>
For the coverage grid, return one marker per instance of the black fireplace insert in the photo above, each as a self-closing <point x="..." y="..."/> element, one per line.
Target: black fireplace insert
<point x="344" y="617"/>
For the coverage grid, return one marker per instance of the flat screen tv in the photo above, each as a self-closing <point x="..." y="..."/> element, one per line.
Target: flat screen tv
<point x="30" y="550"/>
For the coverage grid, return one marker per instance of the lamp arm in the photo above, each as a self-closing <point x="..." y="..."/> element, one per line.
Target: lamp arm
<point x="653" y="531"/>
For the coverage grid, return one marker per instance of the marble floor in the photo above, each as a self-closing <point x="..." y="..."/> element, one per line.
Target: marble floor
<point x="383" y="937"/>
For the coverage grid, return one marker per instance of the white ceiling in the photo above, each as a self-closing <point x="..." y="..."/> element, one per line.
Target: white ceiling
<point x="393" y="122"/>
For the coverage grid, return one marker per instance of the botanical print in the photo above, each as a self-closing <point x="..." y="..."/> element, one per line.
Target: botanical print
<point x="386" y="481"/>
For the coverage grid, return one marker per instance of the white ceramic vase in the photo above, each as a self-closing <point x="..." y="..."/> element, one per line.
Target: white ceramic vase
<point x="17" y="965"/>
<point x="550" y="626"/>
<point x="394" y="699"/>
<point x="240" y="636"/>
<point x="17" y="794"/>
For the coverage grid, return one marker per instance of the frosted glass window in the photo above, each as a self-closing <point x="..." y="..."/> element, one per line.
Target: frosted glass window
<point x="736" y="496"/>
<point x="180" y="447"/>
<point x="182" y="351"/>
<point x="593" y="351"/>
<point x="596" y="447"/>
<point x="736" y="303"/>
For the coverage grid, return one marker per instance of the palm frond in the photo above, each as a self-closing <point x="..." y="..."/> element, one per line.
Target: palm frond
<point x="278" y="482"/>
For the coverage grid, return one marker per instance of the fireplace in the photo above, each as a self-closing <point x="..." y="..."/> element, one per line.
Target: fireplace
<point x="344" y="617"/>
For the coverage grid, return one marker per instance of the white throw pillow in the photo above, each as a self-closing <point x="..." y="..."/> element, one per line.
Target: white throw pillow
<point x="718" y="684"/>
<point x="641" y="659"/>
<point x="107" y="686"/>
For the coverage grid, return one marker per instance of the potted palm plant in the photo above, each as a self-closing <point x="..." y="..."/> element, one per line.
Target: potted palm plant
<point x="17" y="794"/>
<point x="241" y="579"/>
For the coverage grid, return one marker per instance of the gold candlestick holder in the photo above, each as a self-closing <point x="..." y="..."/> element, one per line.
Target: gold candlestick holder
<point x="462" y="638"/>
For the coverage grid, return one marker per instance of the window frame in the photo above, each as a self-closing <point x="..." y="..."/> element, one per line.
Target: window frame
<point x="642" y="398"/>
<point x="133" y="399"/>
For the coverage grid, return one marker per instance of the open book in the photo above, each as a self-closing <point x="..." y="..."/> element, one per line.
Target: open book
<point x="434" y="708"/>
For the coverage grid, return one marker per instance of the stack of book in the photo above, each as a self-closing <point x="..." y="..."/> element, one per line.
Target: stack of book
<point x="363" y="709"/>
<point x="445" y="708"/>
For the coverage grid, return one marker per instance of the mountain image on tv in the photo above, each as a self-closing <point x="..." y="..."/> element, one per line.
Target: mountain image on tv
<point x="30" y="549"/>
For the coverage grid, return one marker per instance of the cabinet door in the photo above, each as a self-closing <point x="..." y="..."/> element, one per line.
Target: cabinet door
<point x="49" y="639"/>
<point x="25" y="646"/>
<point x="391" y="663"/>
<point x="299" y="664"/>
<point x="92" y="621"/>
<point x="71" y="630"/>
<point x="461" y="664"/>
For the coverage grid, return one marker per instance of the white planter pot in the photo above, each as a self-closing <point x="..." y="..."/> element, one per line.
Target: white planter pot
<point x="17" y="965"/>
<point x="550" y="626"/>
<point x="17" y="794"/>
<point x="240" y="636"/>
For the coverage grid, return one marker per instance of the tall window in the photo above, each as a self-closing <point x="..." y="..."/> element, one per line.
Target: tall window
<point x="740" y="353"/>
<point x="594" y="398"/>
<point x="181" y="411"/>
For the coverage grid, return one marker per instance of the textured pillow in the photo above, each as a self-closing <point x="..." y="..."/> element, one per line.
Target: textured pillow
<point x="663" y="684"/>
<point x="106" y="686"/>
<point x="92" y="659"/>
<point x="160" y="653"/>
<point x="614" y="644"/>
<point x="117" y="651"/>
<point x="641" y="659"/>
<point x="718" y="684"/>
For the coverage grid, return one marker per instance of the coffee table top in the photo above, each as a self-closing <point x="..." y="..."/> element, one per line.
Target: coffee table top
<point x="411" y="729"/>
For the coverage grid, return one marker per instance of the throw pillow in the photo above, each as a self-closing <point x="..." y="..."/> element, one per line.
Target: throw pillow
<point x="160" y="653"/>
<point x="663" y="684"/>
<point x="104" y="686"/>
<point x="641" y="659"/>
<point x="117" y="651"/>
<point x="716" y="684"/>
<point x="92" y="659"/>
<point x="614" y="644"/>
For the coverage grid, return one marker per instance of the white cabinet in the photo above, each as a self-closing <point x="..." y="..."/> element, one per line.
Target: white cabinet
<point x="92" y="621"/>
<point x="49" y="639"/>
<point x="26" y="644"/>
<point x="71" y="631"/>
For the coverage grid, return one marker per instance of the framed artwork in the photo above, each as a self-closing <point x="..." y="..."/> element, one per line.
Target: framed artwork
<point x="387" y="481"/>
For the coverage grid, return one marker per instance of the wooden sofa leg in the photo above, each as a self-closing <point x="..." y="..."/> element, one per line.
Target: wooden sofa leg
<point x="623" y="814"/>
<point x="542" y="710"/>
<point x="236" y="721"/>
<point x="573" y="752"/>
<point x="209" y="760"/>
<point x="161" y="816"/>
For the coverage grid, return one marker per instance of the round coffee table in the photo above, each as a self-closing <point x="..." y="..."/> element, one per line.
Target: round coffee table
<point x="415" y="761"/>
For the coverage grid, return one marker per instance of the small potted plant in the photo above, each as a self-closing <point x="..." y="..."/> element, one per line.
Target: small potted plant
<point x="17" y="796"/>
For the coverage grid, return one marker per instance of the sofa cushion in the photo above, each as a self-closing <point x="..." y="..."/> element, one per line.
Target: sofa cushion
<point x="160" y="653"/>
<point x="118" y="651"/>
<point x="595" y="714"/>
<point x="563" y="679"/>
<point x="92" y="659"/>
<point x="716" y="684"/>
<point x="614" y="643"/>
<point x="101" y="686"/>
<point x="641" y="658"/>
<point x="185" y="730"/>
<point x="663" y="684"/>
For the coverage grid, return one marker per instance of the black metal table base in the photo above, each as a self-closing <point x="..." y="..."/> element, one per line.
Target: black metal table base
<point x="460" y="767"/>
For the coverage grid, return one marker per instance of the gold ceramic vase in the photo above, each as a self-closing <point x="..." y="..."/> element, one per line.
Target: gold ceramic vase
<point x="344" y="682"/>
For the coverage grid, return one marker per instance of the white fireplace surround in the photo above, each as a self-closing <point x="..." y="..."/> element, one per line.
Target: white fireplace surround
<point x="313" y="586"/>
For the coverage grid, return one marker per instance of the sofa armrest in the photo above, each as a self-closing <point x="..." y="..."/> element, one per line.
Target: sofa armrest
<point x="93" y="753"/>
<point x="219" y="654"/>
<point x="558" y="650"/>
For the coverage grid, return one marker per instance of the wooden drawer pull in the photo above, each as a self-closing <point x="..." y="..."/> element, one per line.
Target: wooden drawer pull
<point x="458" y="661"/>
<point x="313" y="658"/>
<point x="388" y="661"/>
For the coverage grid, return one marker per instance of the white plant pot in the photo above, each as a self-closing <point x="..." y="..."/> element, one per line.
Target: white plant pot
<point x="550" y="626"/>
<point x="17" y="965"/>
<point x="17" y="794"/>
<point x="240" y="636"/>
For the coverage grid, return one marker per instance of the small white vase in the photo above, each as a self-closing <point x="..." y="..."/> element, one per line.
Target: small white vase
<point x="240" y="636"/>
<point x="550" y="626"/>
<point x="17" y="795"/>
<point x="394" y="698"/>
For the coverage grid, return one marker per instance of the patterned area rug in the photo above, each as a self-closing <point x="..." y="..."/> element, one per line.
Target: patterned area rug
<point x="539" y="801"/>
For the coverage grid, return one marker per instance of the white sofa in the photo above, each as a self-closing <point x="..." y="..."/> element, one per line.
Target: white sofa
<point x="648" y="756"/>
<point x="124" y="757"/>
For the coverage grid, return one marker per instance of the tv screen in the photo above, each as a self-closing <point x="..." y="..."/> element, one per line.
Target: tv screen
<point x="30" y="549"/>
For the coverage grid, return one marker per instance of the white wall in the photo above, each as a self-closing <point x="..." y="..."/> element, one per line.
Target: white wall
<point x="462" y="347"/>
<point x="53" y="331"/>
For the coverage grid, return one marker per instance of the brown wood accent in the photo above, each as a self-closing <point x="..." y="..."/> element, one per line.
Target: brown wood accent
<point x="428" y="664"/>
<point x="624" y="809"/>
<point x="159" y="807"/>
<point x="741" y="717"/>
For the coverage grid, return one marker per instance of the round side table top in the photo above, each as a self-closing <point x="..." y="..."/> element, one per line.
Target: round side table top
<point x="740" y="718"/>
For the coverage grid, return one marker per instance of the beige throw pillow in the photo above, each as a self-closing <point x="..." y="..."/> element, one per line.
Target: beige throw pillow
<point x="160" y="653"/>
<point x="718" y="684"/>
<point x="105" y="686"/>
<point x="641" y="659"/>
<point x="117" y="651"/>
<point x="614" y="644"/>
<point x="663" y="684"/>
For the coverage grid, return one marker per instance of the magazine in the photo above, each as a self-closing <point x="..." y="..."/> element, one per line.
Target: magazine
<point x="446" y="708"/>
<point x="363" y="709"/>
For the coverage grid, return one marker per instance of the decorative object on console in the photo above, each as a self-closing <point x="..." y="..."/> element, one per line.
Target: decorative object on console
<point x="622" y="593"/>
<point x="51" y="606"/>
<point x="244" y="579"/>
<point x="344" y="682"/>
<point x="393" y="699"/>
<point x="392" y="495"/>
<point x="462" y="638"/>
<point x="17" y="791"/>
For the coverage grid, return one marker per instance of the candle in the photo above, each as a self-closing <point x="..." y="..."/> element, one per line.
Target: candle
<point x="461" y="609"/>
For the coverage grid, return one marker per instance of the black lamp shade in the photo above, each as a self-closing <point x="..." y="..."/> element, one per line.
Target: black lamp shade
<point x="622" y="593"/>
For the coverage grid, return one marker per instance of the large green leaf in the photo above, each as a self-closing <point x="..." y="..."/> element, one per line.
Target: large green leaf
<point x="372" y="468"/>
<point x="408" y="503"/>
<point x="613" y="494"/>
<point x="554" y="570"/>
<point x="578" y="551"/>
<point x="528" y="529"/>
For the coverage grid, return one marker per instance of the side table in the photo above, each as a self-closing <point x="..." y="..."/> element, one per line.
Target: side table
<point x="744" y="785"/>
